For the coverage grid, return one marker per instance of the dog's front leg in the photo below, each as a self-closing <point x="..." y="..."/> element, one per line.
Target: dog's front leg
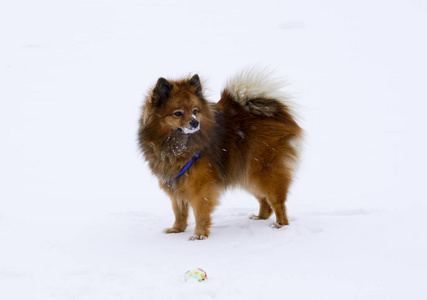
<point x="180" y="209"/>
<point x="203" y="207"/>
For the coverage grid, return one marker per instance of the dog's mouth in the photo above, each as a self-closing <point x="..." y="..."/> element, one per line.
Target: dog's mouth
<point x="189" y="130"/>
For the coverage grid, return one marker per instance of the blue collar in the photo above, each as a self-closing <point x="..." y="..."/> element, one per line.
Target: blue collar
<point x="188" y="165"/>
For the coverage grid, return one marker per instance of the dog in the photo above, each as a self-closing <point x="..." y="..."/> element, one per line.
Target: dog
<point x="198" y="149"/>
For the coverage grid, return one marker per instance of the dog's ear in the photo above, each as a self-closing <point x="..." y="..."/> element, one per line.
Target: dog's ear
<point x="195" y="82"/>
<point x="161" y="92"/>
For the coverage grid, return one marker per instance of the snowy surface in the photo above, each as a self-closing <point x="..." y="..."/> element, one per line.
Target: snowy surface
<point x="80" y="215"/>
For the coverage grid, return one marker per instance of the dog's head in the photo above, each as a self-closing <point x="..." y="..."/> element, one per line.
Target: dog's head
<point x="176" y="112"/>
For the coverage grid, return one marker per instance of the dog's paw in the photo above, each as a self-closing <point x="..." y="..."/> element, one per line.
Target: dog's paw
<point x="172" y="230"/>
<point x="255" y="217"/>
<point x="276" y="225"/>
<point x="197" y="237"/>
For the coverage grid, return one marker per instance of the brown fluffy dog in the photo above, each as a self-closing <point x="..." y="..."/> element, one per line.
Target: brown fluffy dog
<point x="198" y="149"/>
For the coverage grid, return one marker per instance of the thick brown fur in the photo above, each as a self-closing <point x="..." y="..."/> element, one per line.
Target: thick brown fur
<point x="249" y="143"/>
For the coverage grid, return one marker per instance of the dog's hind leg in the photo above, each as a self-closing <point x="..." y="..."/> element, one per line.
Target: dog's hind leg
<point x="265" y="210"/>
<point x="276" y="190"/>
<point x="277" y="202"/>
<point x="271" y="183"/>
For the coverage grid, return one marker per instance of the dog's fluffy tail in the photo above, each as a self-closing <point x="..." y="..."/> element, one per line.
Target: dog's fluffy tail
<point x="258" y="92"/>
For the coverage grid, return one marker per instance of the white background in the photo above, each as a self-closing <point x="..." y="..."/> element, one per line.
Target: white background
<point x="81" y="216"/>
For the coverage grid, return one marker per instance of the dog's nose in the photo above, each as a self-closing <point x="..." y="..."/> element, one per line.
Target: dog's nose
<point x="194" y="123"/>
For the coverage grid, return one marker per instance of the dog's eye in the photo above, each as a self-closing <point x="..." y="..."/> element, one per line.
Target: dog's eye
<point x="178" y="114"/>
<point x="195" y="112"/>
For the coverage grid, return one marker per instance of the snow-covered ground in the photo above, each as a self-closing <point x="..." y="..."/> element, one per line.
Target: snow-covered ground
<point x="80" y="215"/>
